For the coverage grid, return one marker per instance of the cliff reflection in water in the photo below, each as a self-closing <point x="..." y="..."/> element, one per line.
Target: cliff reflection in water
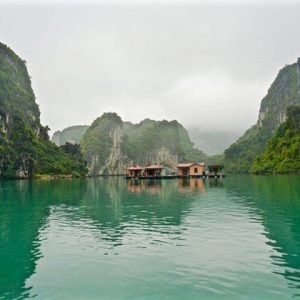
<point x="119" y="201"/>
<point x="42" y="222"/>
<point x="276" y="200"/>
<point x="24" y="210"/>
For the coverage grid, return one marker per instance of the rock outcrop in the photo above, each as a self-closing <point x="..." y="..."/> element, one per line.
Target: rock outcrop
<point x="110" y="145"/>
<point x="25" y="149"/>
<point x="283" y="151"/>
<point x="284" y="91"/>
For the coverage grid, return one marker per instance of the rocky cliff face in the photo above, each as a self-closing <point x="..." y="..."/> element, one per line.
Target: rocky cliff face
<point x="101" y="145"/>
<point x="110" y="145"/>
<point x="18" y="114"/>
<point x="25" y="149"/>
<point x="284" y="91"/>
<point x="283" y="151"/>
<point x="113" y="164"/>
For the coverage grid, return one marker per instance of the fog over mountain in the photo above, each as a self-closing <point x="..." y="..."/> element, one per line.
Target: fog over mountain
<point x="213" y="141"/>
<point x="205" y="64"/>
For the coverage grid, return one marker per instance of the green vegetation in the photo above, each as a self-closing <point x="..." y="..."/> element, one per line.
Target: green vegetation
<point x="283" y="92"/>
<point x="25" y="149"/>
<point x="110" y="144"/>
<point x="283" y="152"/>
<point x="150" y="136"/>
<point x="97" y="142"/>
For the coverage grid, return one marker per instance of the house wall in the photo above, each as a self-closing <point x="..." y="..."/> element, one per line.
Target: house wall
<point x="154" y="172"/>
<point x="183" y="171"/>
<point x="134" y="173"/>
<point x="179" y="171"/>
<point x="199" y="171"/>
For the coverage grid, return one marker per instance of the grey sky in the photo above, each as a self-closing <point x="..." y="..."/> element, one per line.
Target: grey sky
<point x="206" y="64"/>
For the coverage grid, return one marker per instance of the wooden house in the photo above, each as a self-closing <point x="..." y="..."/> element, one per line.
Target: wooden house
<point x="191" y="169"/>
<point x="216" y="171"/>
<point x="154" y="171"/>
<point x="135" y="171"/>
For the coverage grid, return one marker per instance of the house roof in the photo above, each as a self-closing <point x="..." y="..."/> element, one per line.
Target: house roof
<point x="188" y="165"/>
<point x="154" y="167"/>
<point x="135" y="168"/>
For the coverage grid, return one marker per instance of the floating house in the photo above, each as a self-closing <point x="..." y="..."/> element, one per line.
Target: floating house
<point x="184" y="170"/>
<point x="191" y="169"/>
<point x="135" y="171"/>
<point x="216" y="171"/>
<point x="149" y="172"/>
<point x="154" y="171"/>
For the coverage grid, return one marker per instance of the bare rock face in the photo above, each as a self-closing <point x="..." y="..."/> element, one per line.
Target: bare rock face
<point x="115" y="163"/>
<point x="101" y="146"/>
<point x="163" y="155"/>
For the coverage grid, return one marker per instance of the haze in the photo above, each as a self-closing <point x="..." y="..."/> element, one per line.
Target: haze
<point x="208" y="65"/>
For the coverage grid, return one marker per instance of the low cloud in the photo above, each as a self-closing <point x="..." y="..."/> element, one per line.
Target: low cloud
<point x="206" y="65"/>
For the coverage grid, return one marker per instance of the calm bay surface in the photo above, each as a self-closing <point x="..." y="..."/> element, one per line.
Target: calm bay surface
<point x="109" y="238"/>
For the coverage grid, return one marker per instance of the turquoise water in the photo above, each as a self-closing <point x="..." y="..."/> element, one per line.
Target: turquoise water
<point x="108" y="238"/>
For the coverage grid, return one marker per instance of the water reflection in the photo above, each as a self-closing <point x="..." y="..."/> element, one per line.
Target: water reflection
<point x="103" y="206"/>
<point x="118" y="201"/>
<point x="24" y="210"/>
<point x="151" y="186"/>
<point x="42" y="222"/>
<point x="277" y="200"/>
<point x="166" y="187"/>
<point x="191" y="184"/>
<point x="216" y="182"/>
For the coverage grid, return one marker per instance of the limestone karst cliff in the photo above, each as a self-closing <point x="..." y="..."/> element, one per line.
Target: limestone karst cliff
<point x="110" y="145"/>
<point x="284" y="91"/>
<point x="25" y="149"/>
<point x="283" y="151"/>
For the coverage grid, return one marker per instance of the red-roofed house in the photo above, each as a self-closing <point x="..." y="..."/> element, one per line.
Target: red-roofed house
<point x="135" y="171"/>
<point x="191" y="169"/>
<point x="154" y="170"/>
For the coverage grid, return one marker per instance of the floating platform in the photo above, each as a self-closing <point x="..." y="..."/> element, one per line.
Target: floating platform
<point x="202" y="176"/>
<point x="222" y="175"/>
<point x="176" y="176"/>
<point x="152" y="177"/>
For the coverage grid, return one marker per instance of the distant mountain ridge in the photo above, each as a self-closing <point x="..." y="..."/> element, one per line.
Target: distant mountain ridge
<point x="72" y="134"/>
<point x="284" y="91"/>
<point x="213" y="142"/>
<point x="110" y="145"/>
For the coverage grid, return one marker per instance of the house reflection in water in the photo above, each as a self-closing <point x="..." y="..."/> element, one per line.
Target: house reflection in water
<point x="138" y="186"/>
<point x="191" y="184"/>
<point x="157" y="186"/>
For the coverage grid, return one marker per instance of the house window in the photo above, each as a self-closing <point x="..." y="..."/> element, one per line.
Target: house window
<point x="195" y="170"/>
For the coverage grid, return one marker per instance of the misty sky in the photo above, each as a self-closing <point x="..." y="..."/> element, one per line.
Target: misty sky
<point x="206" y="64"/>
